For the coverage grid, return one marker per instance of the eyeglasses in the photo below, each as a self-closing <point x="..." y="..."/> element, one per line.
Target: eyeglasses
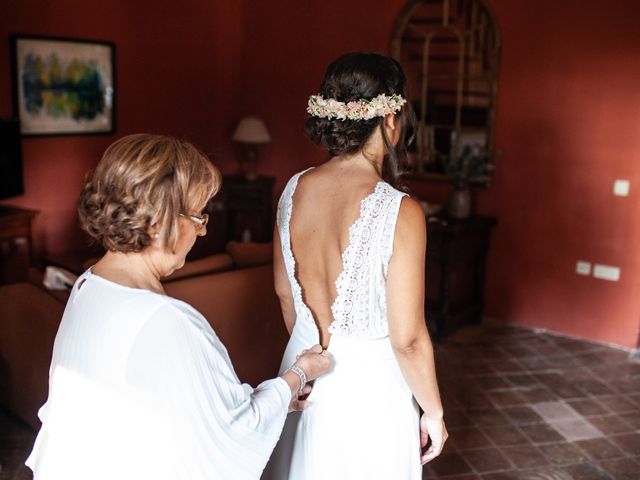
<point x="201" y="221"/>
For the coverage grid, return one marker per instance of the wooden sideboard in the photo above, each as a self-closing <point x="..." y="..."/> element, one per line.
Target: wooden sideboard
<point x="16" y="223"/>
<point x="242" y="211"/>
<point x="456" y="257"/>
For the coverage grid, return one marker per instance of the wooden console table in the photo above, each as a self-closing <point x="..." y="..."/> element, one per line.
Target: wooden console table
<point x="19" y="223"/>
<point x="456" y="258"/>
<point x="248" y="206"/>
<point x="243" y="210"/>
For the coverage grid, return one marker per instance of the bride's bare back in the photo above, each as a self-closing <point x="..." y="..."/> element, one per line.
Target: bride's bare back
<point x="326" y="203"/>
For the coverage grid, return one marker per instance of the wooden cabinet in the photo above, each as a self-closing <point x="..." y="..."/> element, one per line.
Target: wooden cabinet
<point x="242" y="211"/>
<point x="456" y="258"/>
<point x="248" y="207"/>
<point x="16" y="223"/>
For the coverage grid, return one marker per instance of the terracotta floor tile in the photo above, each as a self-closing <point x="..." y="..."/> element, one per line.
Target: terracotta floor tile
<point x="489" y="417"/>
<point x="541" y="433"/>
<point x="563" y="453"/>
<point x="487" y="460"/>
<point x="456" y="418"/>
<point x="534" y="363"/>
<point x="588" y="407"/>
<point x="526" y="456"/>
<point x="576" y="429"/>
<point x="504" y="398"/>
<point x="632" y="418"/>
<point x="518" y="351"/>
<point x="610" y="424"/>
<point x="467" y="438"/>
<point x="600" y="449"/>
<point x="430" y="476"/>
<point x="522" y="415"/>
<point x="476" y="401"/>
<point x="548" y="473"/>
<point x="618" y="403"/>
<point x="622" y="469"/>
<point x="587" y="471"/>
<point x="506" y="366"/>
<point x="629" y="442"/>
<point x="511" y="475"/>
<point x="522" y="380"/>
<point x="491" y="382"/>
<point x="506" y="436"/>
<point x="558" y="410"/>
<point x="450" y="464"/>
<point x="538" y="394"/>
<point x="479" y="368"/>
<point x="594" y="387"/>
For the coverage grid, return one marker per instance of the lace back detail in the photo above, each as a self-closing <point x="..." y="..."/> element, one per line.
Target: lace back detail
<point x="360" y="307"/>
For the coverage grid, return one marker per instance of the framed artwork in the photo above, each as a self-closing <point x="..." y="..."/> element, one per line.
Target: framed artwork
<point x="63" y="86"/>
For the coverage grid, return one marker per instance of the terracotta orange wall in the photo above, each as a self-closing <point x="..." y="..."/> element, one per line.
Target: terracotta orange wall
<point x="177" y="67"/>
<point x="567" y="122"/>
<point x="568" y="112"/>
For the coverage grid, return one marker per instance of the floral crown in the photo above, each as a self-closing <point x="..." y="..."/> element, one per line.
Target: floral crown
<point x="362" y="109"/>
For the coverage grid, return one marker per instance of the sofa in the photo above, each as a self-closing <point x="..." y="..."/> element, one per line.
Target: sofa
<point x="234" y="294"/>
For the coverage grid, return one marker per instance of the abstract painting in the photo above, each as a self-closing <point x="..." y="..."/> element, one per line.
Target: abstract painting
<point x="63" y="86"/>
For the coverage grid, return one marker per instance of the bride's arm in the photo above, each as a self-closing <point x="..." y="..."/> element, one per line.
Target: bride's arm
<point x="407" y="327"/>
<point x="282" y="285"/>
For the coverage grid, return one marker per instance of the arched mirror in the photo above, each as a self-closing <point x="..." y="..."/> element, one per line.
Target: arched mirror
<point x="450" y="52"/>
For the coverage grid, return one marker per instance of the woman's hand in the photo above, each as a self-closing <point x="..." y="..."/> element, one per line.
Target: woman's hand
<point x="314" y="362"/>
<point x="300" y="402"/>
<point x="434" y="429"/>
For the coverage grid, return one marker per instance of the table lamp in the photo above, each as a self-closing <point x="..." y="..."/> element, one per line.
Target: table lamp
<point x="251" y="131"/>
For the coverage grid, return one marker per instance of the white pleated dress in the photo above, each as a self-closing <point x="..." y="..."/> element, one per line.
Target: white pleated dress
<point x="140" y="387"/>
<point x="363" y="422"/>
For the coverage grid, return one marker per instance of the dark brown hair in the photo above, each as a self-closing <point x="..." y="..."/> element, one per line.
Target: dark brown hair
<point x="363" y="75"/>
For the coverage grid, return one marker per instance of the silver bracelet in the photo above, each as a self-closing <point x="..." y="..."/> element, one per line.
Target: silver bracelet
<point x="303" y="377"/>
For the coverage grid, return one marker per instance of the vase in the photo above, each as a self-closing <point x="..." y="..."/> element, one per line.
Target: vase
<point x="460" y="202"/>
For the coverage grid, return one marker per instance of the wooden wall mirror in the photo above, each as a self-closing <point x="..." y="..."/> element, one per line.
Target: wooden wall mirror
<point x="450" y="51"/>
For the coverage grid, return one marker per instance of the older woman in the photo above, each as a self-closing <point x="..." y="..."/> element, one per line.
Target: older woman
<point x="140" y="385"/>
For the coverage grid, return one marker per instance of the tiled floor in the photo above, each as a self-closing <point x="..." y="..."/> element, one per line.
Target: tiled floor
<point x="525" y="405"/>
<point x="519" y="406"/>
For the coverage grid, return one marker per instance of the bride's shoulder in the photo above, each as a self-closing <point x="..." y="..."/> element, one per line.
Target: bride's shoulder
<point x="293" y="181"/>
<point x="410" y="214"/>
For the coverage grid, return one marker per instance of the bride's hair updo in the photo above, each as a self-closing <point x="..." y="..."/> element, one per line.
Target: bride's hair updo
<point x="355" y="76"/>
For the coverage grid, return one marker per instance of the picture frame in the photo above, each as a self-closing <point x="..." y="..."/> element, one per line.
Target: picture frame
<point x="63" y="86"/>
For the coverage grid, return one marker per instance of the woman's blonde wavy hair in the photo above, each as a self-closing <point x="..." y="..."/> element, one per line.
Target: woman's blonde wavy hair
<point x="143" y="183"/>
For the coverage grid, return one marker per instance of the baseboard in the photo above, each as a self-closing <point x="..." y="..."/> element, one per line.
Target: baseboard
<point x="634" y="354"/>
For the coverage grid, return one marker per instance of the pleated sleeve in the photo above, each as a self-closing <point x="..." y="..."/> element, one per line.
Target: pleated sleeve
<point x="217" y="427"/>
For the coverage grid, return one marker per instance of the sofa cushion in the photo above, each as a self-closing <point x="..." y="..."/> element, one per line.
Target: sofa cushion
<point x="243" y="309"/>
<point x="214" y="263"/>
<point x="29" y="320"/>
<point x="250" y="254"/>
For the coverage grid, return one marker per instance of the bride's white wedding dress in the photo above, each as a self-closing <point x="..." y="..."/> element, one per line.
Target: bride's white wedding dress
<point x="363" y="422"/>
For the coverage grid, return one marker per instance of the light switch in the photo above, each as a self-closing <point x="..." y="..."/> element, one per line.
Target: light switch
<point x="621" y="188"/>
<point x="583" y="268"/>
<point x="606" y="272"/>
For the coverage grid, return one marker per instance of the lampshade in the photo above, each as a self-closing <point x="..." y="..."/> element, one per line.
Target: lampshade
<point x="251" y="130"/>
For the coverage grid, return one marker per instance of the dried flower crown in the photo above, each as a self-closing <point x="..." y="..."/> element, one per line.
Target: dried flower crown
<point x="362" y="109"/>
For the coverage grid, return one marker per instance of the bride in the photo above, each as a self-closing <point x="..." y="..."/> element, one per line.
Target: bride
<point x="349" y="271"/>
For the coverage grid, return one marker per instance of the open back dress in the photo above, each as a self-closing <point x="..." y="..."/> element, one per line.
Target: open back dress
<point x="363" y="422"/>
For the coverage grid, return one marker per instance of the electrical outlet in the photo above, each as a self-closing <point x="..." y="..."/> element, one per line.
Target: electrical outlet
<point x="606" y="272"/>
<point x="621" y="188"/>
<point x="583" y="268"/>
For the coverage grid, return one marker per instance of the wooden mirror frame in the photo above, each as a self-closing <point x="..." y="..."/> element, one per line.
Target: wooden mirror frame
<point x="457" y="44"/>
